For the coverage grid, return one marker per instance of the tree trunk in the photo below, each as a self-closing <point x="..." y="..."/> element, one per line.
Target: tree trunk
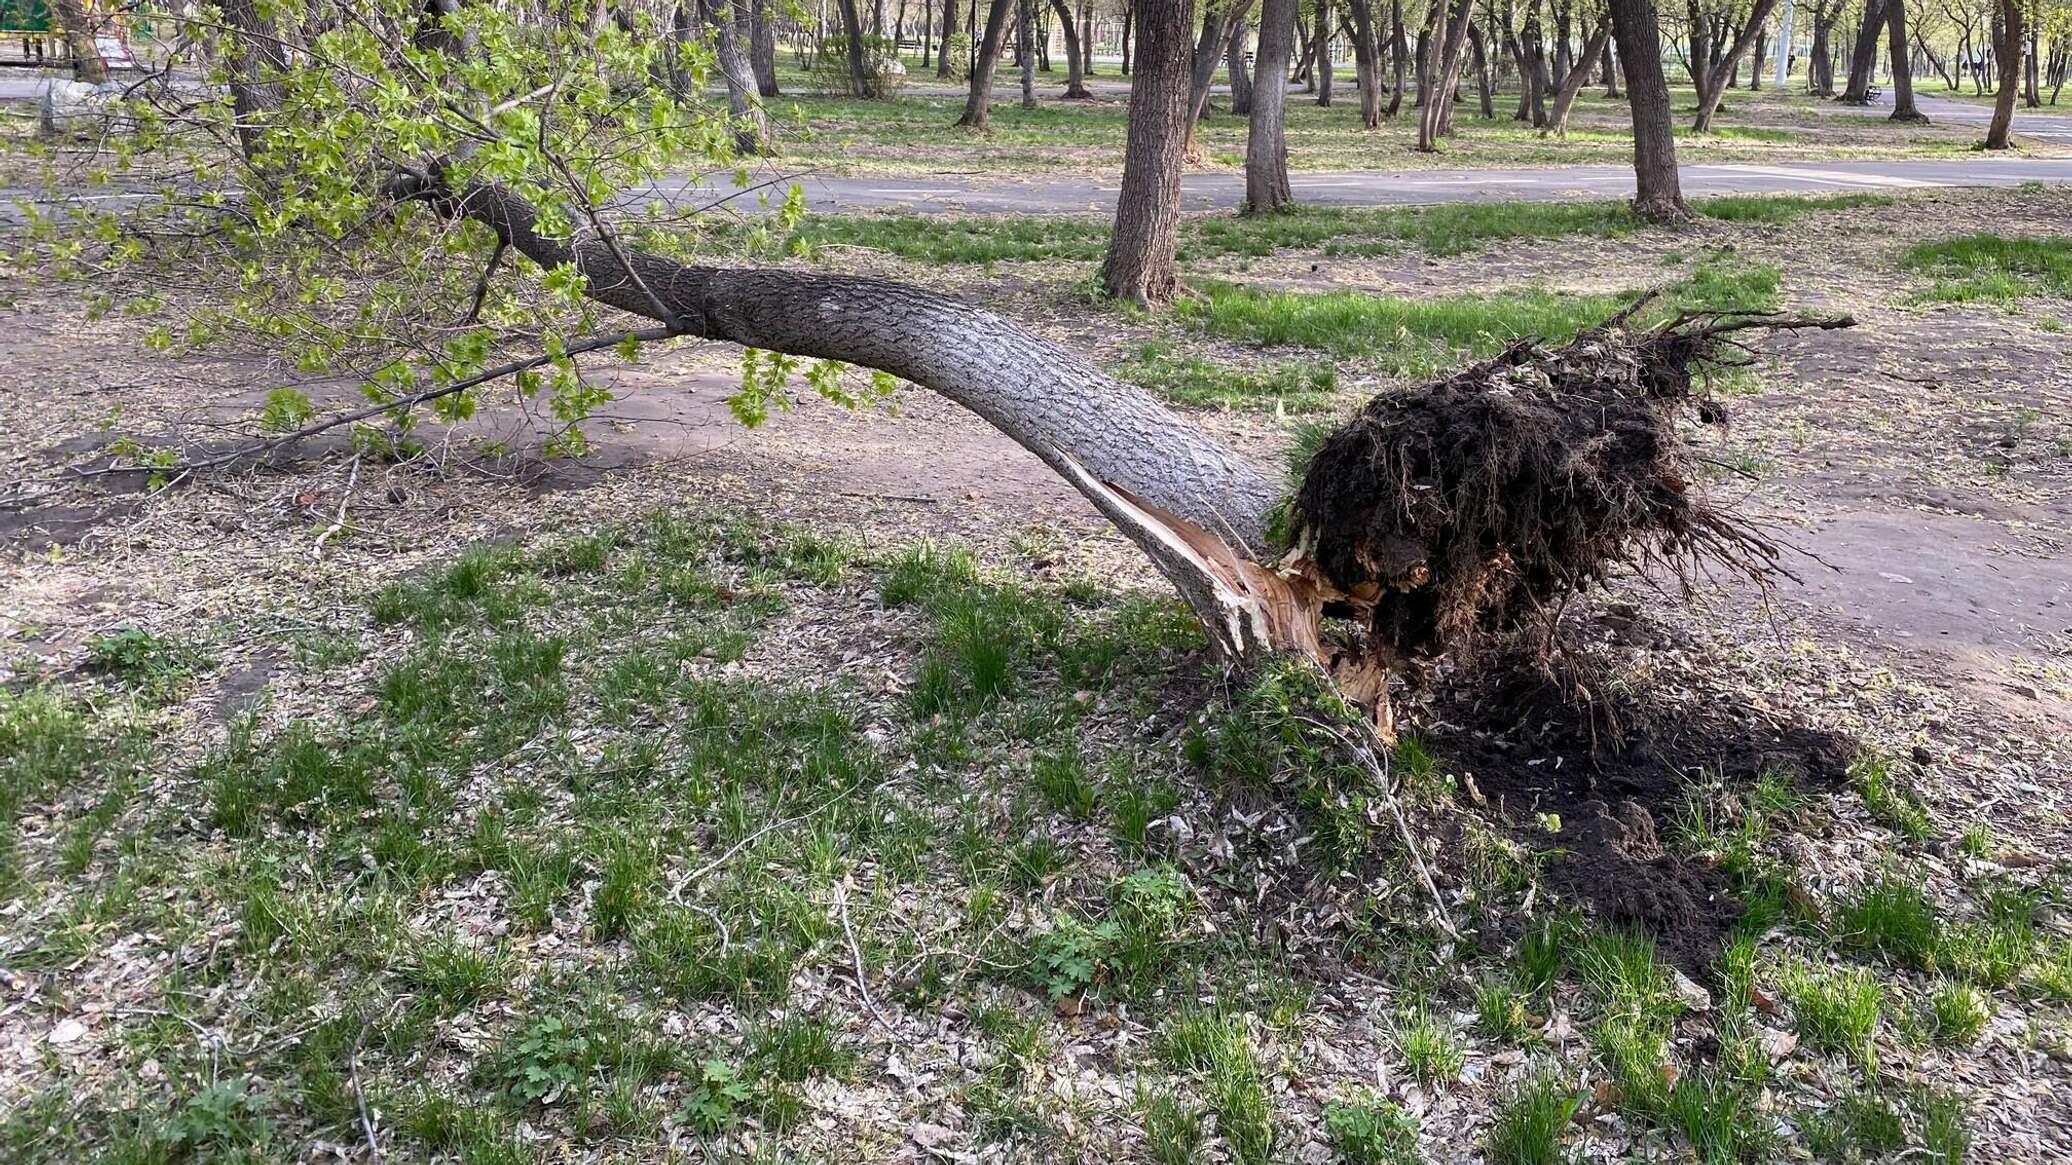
<point x="762" y="49"/>
<point x="1240" y="73"/>
<point x="1025" y="48"/>
<point x="943" y="64"/>
<point x="1366" y="62"/>
<point x="1902" y="68"/>
<point x="2000" y="131"/>
<point x="1863" y="60"/>
<point x="1129" y="16"/>
<point x="87" y="64"/>
<point x="1140" y="264"/>
<point x="1086" y="38"/>
<point x="861" y="83"/>
<point x="1266" y="146"/>
<point x="1478" y="43"/>
<point x="2031" y="97"/>
<point x="255" y="79"/>
<point x="1399" y="56"/>
<point x="751" y="129"/>
<point x="1323" y="42"/>
<point x="1611" y="72"/>
<point x="1658" y="195"/>
<point x="1217" y="26"/>
<point x="1820" y="73"/>
<point x="1578" y="77"/>
<point x="1755" y="61"/>
<point x="978" y="104"/>
<point x="1729" y="63"/>
<point x="1437" y="115"/>
<point x="1075" y="80"/>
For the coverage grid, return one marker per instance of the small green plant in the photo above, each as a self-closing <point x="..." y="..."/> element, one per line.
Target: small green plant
<point x="144" y="661"/>
<point x="1835" y="1009"/>
<point x="1891" y="804"/>
<point x="1172" y="1129"/>
<point x="1429" y="1049"/>
<point x="1532" y="1120"/>
<point x="712" y="1103"/>
<point x="1372" y="1130"/>
<point x="1500" y="1012"/>
<point x="1992" y="268"/>
<point x="286" y="410"/>
<point x="1893" y="917"/>
<point x="545" y="1059"/>
<point x="1957" y="1013"/>
<point x="221" y="1118"/>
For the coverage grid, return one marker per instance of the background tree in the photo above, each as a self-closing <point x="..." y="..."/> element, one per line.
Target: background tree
<point x="1140" y="266"/>
<point x="1366" y="61"/>
<point x="1658" y="194"/>
<point x="71" y="19"/>
<point x="1075" y="61"/>
<point x="1266" y="145"/>
<point x="2000" y="131"/>
<point x="1863" y="58"/>
<point x="1572" y="85"/>
<point x="978" y="103"/>
<point x="1712" y="80"/>
<point x="1901" y="51"/>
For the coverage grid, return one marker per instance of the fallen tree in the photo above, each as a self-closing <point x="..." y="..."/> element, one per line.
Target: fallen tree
<point x="1434" y="515"/>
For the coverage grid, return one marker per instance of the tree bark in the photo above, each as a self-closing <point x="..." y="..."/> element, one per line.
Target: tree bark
<point x="751" y="129"/>
<point x="1129" y="17"/>
<point x="1715" y="79"/>
<point x="943" y="65"/>
<point x="1322" y="41"/>
<point x="1366" y="62"/>
<point x="1863" y="60"/>
<point x="978" y="105"/>
<point x="2000" y="131"/>
<point x="1025" y="48"/>
<point x="1240" y="73"/>
<point x="1266" y="145"/>
<point x="1051" y="401"/>
<point x="1218" y="25"/>
<point x="1478" y="44"/>
<point x="87" y="64"/>
<point x="1578" y="77"/>
<point x="1820" y="73"/>
<point x="1902" y="68"/>
<point x="861" y="84"/>
<point x="1075" y="79"/>
<point x="1436" y="116"/>
<point x="1611" y="73"/>
<point x="1140" y="264"/>
<point x="1399" y="56"/>
<point x="255" y="80"/>
<point x="762" y="49"/>
<point x="1658" y="195"/>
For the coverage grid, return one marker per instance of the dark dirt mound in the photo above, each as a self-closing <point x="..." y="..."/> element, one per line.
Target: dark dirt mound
<point x="1480" y="502"/>
<point x="1529" y="742"/>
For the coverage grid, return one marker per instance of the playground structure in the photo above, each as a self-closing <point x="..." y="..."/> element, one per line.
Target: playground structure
<point x="30" y="36"/>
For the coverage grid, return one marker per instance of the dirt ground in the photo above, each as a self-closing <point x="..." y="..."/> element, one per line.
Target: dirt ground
<point x="1920" y="464"/>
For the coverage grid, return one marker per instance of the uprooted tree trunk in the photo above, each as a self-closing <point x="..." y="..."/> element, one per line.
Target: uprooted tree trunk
<point x="1475" y="504"/>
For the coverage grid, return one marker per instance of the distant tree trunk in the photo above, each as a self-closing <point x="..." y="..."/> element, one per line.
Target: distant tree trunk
<point x="2000" y="131"/>
<point x="1438" y="115"/>
<point x="1902" y="67"/>
<point x="1240" y="73"/>
<point x="1129" y="16"/>
<point x="762" y="49"/>
<point x="1075" y="78"/>
<point x="87" y="64"/>
<point x="1428" y="51"/>
<point x="1025" y="48"/>
<point x="2031" y="97"/>
<point x="1399" y="56"/>
<point x="1266" y="146"/>
<point x="255" y="80"/>
<point x="1755" y="61"/>
<point x="1712" y="82"/>
<point x="1086" y="38"/>
<point x="1322" y="40"/>
<point x="1820" y="72"/>
<point x="1611" y="73"/>
<point x="1863" y="60"/>
<point x="751" y="129"/>
<point x="1658" y="194"/>
<point x="1366" y="62"/>
<point x="1577" y="77"/>
<point x="861" y="83"/>
<point x="1217" y="26"/>
<point x="978" y="105"/>
<point x="1476" y="42"/>
<point x="1140" y="264"/>
<point x="943" y="65"/>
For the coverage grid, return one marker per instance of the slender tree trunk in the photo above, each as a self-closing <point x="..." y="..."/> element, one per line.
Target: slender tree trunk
<point x="1266" y="146"/>
<point x="978" y="104"/>
<point x="1437" y="115"/>
<point x="1658" y="194"/>
<point x="1086" y="38"/>
<point x="1756" y="60"/>
<point x="1611" y="72"/>
<point x="1863" y="60"/>
<point x="751" y="129"/>
<point x="861" y="83"/>
<point x="1565" y="99"/>
<point x="943" y="65"/>
<point x="1399" y="56"/>
<point x="2000" y="131"/>
<point x="2031" y="96"/>
<point x="1820" y="73"/>
<point x="255" y="82"/>
<point x="1729" y="63"/>
<point x="1075" y="79"/>
<point x="762" y="49"/>
<point x="1366" y="62"/>
<point x="1217" y="27"/>
<point x="1129" y="16"/>
<point x="1240" y="73"/>
<point x="1902" y="68"/>
<point x="1140" y="265"/>
<point x="1478" y="43"/>
<point x="1025" y="48"/>
<point x="87" y="65"/>
<point x="1323" y="42"/>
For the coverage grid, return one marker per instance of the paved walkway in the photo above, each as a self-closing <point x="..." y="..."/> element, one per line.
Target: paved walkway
<point x="938" y="193"/>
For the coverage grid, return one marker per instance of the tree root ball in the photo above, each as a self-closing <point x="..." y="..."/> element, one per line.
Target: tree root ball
<point x="1477" y="504"/>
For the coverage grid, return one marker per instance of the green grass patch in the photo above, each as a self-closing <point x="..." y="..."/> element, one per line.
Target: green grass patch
<point x="1992" y="268"/>
<point x="1287" y="387"/>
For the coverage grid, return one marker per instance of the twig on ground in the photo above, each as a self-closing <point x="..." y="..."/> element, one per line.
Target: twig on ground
<point x="683" y="883"/>
<point x="352" y="1066"/>
<point x="352" y="482"/>
<point x="1378" y="768"/>
<point x="856" y="957"/>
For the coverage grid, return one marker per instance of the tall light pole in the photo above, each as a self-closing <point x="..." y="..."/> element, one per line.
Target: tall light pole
<point x="1784" y="47"/>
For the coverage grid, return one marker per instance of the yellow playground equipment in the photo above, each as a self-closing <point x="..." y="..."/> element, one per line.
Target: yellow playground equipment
<point x="30" y="34"/>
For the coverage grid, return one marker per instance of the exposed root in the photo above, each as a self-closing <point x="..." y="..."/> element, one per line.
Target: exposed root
<point x="1481" y="503"/>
